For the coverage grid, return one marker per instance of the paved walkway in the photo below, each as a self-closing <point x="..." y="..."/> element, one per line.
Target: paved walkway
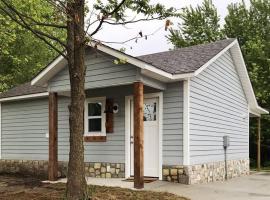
<point x="253" y="187"/>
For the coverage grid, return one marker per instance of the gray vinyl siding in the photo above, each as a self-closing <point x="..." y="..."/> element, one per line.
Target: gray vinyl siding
<point x="100" y="72"/>
<point x="24" y="128"/>
<point x="25" y="124"/>
<point x="113" y="150"/>
<point x="173" y="124"/>
<point x="218" y="107"/>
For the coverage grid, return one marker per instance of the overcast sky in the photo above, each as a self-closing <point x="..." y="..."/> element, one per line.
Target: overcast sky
<point x="158" y="42"/>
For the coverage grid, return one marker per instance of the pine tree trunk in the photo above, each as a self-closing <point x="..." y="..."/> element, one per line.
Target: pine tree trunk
<point x="76" y="183"/>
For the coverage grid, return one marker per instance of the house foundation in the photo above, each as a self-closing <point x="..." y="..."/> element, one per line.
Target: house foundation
<point x="39" y="168"/>
<point x="205" y="173"/>
<point x="192" y="174"/>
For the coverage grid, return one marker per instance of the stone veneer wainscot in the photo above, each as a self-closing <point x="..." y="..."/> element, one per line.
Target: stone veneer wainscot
<point x="39" y="168"/>
<point x="193" y="174"/>
<point x="204" y="173"/>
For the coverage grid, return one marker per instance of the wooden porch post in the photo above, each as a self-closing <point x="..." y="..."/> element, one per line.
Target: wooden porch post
<point x="138" y="136"/>
<point x="259" y="145"/>
<point x="53" y="123"/>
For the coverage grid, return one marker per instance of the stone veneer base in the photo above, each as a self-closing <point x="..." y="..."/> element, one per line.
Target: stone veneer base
<point x="39" y="168"/>
<point x="193" y="174"/>
<point x="204" y="173"/>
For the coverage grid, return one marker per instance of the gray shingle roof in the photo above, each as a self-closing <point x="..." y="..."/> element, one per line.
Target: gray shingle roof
<point x="179" y="61"/>
<point x="185" y="60"/>
<point x="23" y="89"/>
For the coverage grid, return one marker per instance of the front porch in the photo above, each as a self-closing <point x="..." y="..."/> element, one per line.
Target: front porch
<point x="107" y="150"/>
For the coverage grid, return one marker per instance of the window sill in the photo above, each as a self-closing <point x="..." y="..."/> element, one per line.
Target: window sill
<point x="95" y="138"/>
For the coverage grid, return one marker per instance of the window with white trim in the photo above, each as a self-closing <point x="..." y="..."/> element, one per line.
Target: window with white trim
<point x="95" y="117"/>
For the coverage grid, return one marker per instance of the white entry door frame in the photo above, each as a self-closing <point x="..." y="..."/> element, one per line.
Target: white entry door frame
<point x="128" y="127"/>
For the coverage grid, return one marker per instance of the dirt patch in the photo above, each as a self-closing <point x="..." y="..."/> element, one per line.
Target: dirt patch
<point x="26" y="188"/>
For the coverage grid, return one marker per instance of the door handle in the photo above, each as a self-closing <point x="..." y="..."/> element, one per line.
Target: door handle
<point x="131" y="139"/>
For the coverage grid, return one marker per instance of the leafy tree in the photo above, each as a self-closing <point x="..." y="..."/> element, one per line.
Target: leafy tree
<point x="72" y="12"/>
<point x="199" y="25"/>
<point x="251" y="26"/>
<point x="22" y="55"/>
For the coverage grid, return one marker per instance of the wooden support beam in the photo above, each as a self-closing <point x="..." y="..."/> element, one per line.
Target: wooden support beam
<point x="138" y="136"/>
<point x="53" y="127"/>
<point x="259" y="145"/>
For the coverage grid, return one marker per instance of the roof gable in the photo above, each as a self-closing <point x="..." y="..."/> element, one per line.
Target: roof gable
<point x="188" y="59"/>
<point x="162" y="65"/>
<point x="168" y="66"/>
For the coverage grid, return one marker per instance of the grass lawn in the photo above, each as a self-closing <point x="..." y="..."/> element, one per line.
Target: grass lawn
<point x="26" y="188"/>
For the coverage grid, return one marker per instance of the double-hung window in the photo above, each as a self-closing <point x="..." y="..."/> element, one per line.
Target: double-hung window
<point x="95" y="117"/>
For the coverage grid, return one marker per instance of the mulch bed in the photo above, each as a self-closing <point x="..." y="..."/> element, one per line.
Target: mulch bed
<point x="28" y="188"/>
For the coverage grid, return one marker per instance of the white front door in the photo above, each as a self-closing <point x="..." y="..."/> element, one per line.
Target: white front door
<point x="151" y="140"/>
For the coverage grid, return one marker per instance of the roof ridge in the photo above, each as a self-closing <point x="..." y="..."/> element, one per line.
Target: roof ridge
<point x="188" y="47"/>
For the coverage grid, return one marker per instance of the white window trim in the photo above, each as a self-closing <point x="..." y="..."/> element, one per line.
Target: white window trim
<point x="103" y="116"/>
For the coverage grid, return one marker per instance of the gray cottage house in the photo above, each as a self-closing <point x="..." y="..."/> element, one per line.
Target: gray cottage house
<point x="197" y="103"/>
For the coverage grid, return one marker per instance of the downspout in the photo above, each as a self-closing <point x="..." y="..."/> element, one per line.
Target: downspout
<point x="226" y="144"/>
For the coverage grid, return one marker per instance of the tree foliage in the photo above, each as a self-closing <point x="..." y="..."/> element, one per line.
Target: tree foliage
<point x="199" y="25"/>
<point x="22" y="55"/>
<point x="251" y="26"/>
<point x="69" y="16"/>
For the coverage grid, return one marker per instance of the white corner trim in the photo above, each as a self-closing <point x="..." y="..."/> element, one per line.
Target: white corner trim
<point x="0" y="130"/>
<point x="43" y="94"/>
<point x="128" y="105"/>
<point x="198" y="71"/>
<point x="186" y="139"/>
